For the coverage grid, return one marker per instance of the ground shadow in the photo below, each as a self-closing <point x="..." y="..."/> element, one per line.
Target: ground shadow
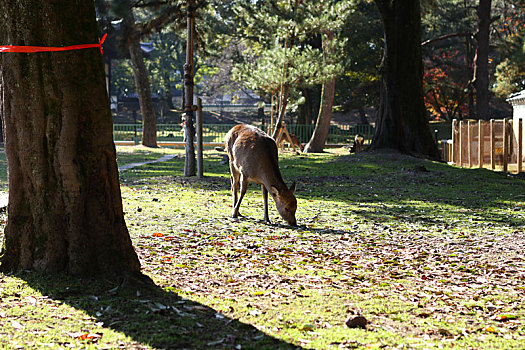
<point x="153" y="316"/>
<point x="384" y="186"/>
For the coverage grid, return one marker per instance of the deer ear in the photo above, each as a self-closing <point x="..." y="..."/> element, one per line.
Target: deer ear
<point x="292" y="188"/>
<point x="274" y="191"/>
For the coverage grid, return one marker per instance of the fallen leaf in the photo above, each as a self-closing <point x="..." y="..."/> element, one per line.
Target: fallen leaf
<point x="505" y="318"/>
<point x="490" y="329"/>
<point x="307" y="328"/>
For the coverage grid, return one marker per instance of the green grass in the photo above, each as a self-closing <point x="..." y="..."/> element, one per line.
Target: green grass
<point x="3" y="171"/>
<point x="430" y="254"/>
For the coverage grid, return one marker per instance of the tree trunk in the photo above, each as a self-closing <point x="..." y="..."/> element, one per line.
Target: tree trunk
<point x="283" y="102"/>
<point x="189" y="128"/>
<point x="149" y="120"/>
<point x="65" y="207"/>
<point x="322" y="127"/>
<point x="402" y="122"/>
<point x="481" y="60"/>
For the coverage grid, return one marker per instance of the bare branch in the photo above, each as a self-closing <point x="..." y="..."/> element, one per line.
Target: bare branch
<point x="443" y="37"/>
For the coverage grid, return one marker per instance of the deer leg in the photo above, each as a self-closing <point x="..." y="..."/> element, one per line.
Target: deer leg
<point x="265" y="199"/>
<point x="234" y="179"/>
<point x="244" y="186"/>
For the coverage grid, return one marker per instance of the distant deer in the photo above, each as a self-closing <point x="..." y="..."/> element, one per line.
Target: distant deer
<point x="358" y="144"/>
<point x="294" y="142"/>
<point x="253" y="157"/>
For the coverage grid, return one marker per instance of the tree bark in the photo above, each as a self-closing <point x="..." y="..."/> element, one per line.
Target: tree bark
<point x="140" y="73"/>
<point x="189" y="127"/>
<point x="65" y="207"/>
<point x="402" y="122"/>
<point x="481" y="60"/>
<point x="283" y="103"/>
<point x="322" y="127"/>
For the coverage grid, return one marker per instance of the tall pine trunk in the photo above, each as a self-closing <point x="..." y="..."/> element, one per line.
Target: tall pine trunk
<point x="322" y="127"/>
<point x="402" y="122"/>
<point x="481" y="60"/>
<point x="142" y="85"/>
<point x="65" y="207"/>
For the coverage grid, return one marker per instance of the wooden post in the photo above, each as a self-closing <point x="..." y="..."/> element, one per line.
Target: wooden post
<point x="492" y="145"/>
<point x="454" y="141"/>
<point x="460" y="163"/>
<point x="481" y="124"/>
<point x="469" y="144"/>
<point x="505" y="145"/>
<point x="520" y="145"/>
<point x="199" y="139"/>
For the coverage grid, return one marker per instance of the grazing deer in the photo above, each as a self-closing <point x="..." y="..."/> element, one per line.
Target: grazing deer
<point x="253" y="157"/>
<point x="358" y="144"/>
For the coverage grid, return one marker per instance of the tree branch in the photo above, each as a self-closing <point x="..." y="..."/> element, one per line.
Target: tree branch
<point x="160" y="21"/>
<point x="443" y="37"/>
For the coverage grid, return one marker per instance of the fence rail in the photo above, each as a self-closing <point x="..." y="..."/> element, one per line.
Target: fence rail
<point x="495" y="144"/>
<point x="214" y="133"/>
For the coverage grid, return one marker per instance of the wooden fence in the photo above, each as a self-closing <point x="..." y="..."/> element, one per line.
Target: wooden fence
<point x="494" y="144"/>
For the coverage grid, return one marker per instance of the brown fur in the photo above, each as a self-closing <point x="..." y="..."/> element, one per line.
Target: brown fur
<point x="358" y="144"/>
<point x="295" y="142"/>
<point x="253" y="157"/>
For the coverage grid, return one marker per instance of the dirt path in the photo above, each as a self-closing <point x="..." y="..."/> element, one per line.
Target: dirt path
<point x="4" y="196"/>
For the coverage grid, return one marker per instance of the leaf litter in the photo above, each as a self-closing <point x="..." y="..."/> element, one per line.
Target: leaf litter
<point x="427" y="258"/>
<point x="417" y="262"/>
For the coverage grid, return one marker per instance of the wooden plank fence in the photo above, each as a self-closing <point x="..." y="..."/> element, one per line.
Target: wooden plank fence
<point x="494" y="144"/>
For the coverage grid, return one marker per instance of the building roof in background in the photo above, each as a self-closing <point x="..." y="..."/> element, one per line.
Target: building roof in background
<point x="517" y="99"/>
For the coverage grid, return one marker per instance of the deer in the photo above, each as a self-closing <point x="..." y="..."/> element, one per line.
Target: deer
<point x="253" y="157"/>
<point x="358" y="144"/>
<point x="294" y="141"/>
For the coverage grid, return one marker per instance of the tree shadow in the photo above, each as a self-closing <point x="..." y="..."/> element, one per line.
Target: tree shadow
<point x="153" y="316"/>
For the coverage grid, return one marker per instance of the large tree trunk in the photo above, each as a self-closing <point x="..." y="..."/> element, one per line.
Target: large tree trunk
<point x="402" y="122"/>
<point x="481" y="60"/>
<point x="322" y="127"/>
<point x="65" y="208"/>
<point x="149" y="121"/>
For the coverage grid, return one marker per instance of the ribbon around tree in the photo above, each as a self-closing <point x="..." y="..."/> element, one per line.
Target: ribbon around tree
<point x="33" y="49"/>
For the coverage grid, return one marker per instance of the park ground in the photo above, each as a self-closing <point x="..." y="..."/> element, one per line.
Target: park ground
<point x="429" y="254"/>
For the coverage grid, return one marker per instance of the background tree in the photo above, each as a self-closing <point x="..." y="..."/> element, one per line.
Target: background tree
<point x="65" y="208"/>
<point x="328" y="20"/>
<point x="358" y="86"/>
<point x="130" y="40"/>
<point x="283" y="51"/>
<point x="448" y="46"/>
<point x="142" y="83"/>
<point x="402" y="122"/>
<point x="481" y="59"/>
<point x="509" y="38"/>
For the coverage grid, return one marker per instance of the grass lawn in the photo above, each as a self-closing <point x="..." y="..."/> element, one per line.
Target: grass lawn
<point x="431" y="255"/>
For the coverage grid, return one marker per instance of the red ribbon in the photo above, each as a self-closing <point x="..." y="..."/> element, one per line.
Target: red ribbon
<point x="32" y="49"/>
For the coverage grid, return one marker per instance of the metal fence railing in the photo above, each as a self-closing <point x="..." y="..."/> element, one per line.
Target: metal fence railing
<point x="338" y="134"/>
